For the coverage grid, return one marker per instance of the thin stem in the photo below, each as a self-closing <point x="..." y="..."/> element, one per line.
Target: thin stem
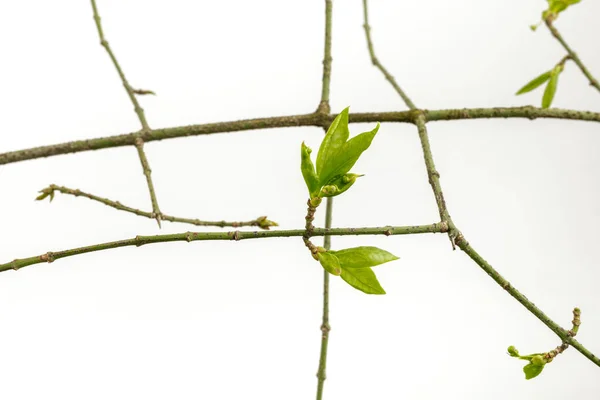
<point x="324" y="107"/>
<point x="131" y="92"/>
<point x="261" y="222"/>
<point x="314" y="119"/>
<point x="434" y="177"/>
<point x="377" y="64"/>
<point x="554" y="327"/>
<point x="572" y="55"/>
<point x="325" y="327"/>
<point x="233" y="235"/>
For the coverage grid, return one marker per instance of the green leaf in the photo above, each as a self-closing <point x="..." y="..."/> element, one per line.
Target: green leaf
<point x="348" y="155"/>
<point x="532" y="370"/>
<point x="535" y="83"/>
<point x="330" y="262"/>
<point x="337" y="154"/>
<point x="338" y="185"/>
<point x="332" y="143"/>
<point x="363" y="279"/>
<point x="556" y="6"/>
<point x="551" y="87"/>
<point x="308" y="171"/>
<point x="362" y="257"/>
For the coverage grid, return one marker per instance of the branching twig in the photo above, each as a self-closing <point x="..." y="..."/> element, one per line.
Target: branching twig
<point x="131" y="92"/>
<point x="554" y="327"/>
<point x="458" y="239"/>
<point x="314" y="119"/>
<point x="233" y="235"/>
<point x="261" y="222"/>
<point x="572" y="55"/>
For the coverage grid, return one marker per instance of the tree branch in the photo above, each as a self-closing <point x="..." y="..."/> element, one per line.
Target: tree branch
<point x="324" y="109"/>
<point x="572" y="55"/>
<point x="458" y="239"/>
<point x="376" y="62"/>
<point x="315" y="119"/>
<point x="233" y="235"/>
<point x="131" y="92"/>
<point x="261" y="222"/>
<point x="554" y="327"/>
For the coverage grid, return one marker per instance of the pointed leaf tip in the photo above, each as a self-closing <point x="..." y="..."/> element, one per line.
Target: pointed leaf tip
<point x="363" y="279"/>
<point x="535" y="83"/>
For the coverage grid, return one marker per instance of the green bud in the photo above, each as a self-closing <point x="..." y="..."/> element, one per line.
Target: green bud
<point x="538" y="360"/>
<point x="513" y="351"/>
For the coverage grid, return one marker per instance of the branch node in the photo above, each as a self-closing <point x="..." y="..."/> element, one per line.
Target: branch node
<point x="48" y="257"/>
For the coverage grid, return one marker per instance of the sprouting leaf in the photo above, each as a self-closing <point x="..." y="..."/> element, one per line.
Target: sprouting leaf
<point x="330" y="262"/>
<point x="336" y="154"/>
<point x="332" y="143"/>
<point x="532" y="370"/>
<point x="551" y="86"/>
<point x="557" y="6"/>
<point x="348" y="155"/>
<point x="363" y="279"/>
<point x="338" y="185"/>
<point x="362" y="257"/>
<point x="308" y="171"/>
<point x="535" y="83"/>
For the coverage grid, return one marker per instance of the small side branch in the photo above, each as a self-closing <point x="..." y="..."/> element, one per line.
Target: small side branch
<point x="572" y="55"/>
<point x="563" y="334"/>
<point x="377" y="64"/>
<point x="261" y="222"/>
<point x="131" y="92"/>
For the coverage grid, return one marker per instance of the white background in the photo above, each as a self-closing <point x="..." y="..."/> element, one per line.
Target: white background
<point x="225" y="320"/>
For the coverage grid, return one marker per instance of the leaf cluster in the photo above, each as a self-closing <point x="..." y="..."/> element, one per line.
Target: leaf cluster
<point x="336" y="156"/>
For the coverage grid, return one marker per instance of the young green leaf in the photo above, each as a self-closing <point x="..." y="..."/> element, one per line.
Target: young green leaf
<point x="532" y="370"/>
<point x="362" y="257"/>
<point x="330" y="262"/>
<point x="551" y="87"/>
<point x="535" y="82"/>
<point x="363" y="279"/>
<point x="308" y="171"/>
<point x="556" y="6"/>
<point x="339" y="185"/>
<point x="332" y="143"/>
<point x="345" y="159"/>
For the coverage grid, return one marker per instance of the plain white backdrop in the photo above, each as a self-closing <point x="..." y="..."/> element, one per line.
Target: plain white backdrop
<point x="233" y="320"/>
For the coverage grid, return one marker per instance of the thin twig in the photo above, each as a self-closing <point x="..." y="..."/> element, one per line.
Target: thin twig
<point x="572" y="55"/>
<point x="376" y="62"/>
<point x="261" y="222"/>
<point x="434" y="177"/>
<point x="233" y="235"/>
<point x="324" y="108"/>
<point x="131" y="92"/>
<point x="325" y="327"/>
<point x="314" y="119"/>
